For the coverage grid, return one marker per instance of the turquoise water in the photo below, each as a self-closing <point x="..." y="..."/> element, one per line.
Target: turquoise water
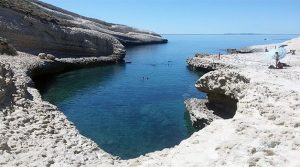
<point x="137" y="108"/>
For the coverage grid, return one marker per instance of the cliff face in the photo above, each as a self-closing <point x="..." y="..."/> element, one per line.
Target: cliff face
<point x="33" y="26"/>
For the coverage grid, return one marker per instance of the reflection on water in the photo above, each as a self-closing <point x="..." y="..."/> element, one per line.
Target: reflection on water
<point x="137" y="108"/>
<point x="69" y="84"/>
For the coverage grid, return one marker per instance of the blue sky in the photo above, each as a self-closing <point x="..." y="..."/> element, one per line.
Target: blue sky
<point x="194" y="16"/>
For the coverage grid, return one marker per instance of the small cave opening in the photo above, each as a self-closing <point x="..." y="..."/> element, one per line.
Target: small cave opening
<point x="216" y="106"/>
<point x="222" y="106"/>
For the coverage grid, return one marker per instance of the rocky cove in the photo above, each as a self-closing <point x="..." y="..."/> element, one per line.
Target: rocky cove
<point x="34" y="132"/>
<point x="27" y="115"/>
<point x="145" y="105"/>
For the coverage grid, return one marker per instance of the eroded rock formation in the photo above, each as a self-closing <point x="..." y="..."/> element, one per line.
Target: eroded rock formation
<point x="202" y="62"/>
<point x="224" y="88"/>
<point x="34" y="132"/>
<point x="224" y="82"/>
<point x="34" y="27"/>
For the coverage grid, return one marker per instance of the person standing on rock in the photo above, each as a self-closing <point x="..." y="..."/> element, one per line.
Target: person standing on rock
<point x="276" y="59"/>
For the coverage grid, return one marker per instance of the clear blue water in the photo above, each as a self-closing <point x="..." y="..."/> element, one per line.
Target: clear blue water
<point x="137" y="108"/>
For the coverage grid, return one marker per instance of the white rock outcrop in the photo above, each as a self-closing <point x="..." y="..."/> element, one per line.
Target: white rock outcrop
<point x="224" y="88"/>
<point x="34" y="26"/>
<point x="224" y="82"/>
<point x="34" y="132"/>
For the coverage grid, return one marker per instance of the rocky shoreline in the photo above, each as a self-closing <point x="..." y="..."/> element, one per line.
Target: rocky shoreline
<point x="32" y="131"/>
<point x="224" y="87"/>
<point x="264" y="130"/>
<point x="260" y="125"/>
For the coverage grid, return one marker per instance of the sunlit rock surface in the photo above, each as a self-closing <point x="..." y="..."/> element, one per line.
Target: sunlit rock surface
<point x="33" y="26"/>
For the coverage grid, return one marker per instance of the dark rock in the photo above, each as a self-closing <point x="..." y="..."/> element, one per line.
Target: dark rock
<point x="6" y="48"/>
<point x="4" y="146"/>
<point x="200" y="114"/>
<point x="244" y="50"/>
<point x="202" y="54"/>
<point x="6" y="86"/>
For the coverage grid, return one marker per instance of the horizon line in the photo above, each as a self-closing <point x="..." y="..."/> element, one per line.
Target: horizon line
<point x="229" y="34"/>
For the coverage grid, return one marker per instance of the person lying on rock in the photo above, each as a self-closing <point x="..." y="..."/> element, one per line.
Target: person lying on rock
<point x="279" y="65"/>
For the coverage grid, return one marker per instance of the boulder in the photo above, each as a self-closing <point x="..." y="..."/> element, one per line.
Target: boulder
<point x="6" y="48"/>
<point x="50" y="57"/>
<point x="42" y="55"/>
<point x="223" y="82"/>
<point x="46" y="56"/>
<point x="4" y="146"/>
<point x="224" y="88"/>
